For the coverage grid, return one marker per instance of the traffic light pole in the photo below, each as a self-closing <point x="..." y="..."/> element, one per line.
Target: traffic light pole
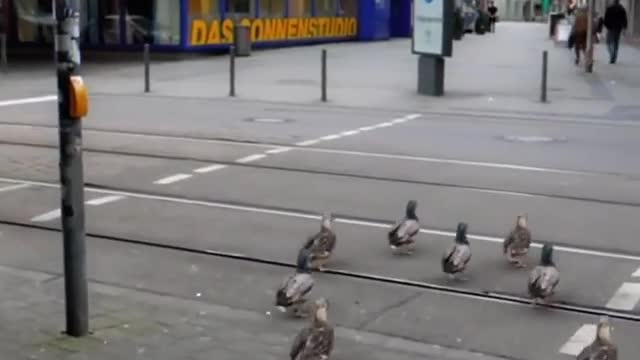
<point x="71" y="169"/>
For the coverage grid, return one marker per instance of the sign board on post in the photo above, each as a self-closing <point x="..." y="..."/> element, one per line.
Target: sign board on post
<point x="432" y="27"/>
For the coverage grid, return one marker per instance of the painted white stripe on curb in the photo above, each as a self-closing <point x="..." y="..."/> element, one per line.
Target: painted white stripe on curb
<point x="250" y="158"/>
<point x="31" y="100"/>
<point x="206" y="169"/>
<point x="278" y="150"/>
<point x="171" y="179"/>
<point x="104" y="200"/>
<point x="48" y="216"/>
<point x="582" y="337"/>
<point x="626" y="297"/>
<point x="14" y="187"/>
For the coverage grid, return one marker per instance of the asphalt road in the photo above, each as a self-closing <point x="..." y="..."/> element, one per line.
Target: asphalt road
<point x="251" y="192"/>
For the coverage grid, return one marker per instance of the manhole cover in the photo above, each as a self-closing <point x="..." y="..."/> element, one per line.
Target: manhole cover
<point x="268" y="120"/>
<point x="533" y="139"/>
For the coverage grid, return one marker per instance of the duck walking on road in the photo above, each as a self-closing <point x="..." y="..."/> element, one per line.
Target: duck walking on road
<point x="544" y="278"/>
<point x="602" y="348"/>
<point x="402" y="234"/>
<point x="457" y="257"/>
<point x="316" y="341"/>
<point x="322" y="244"/>
<point x="516" y="244"/>
<point x="290" y="297"/>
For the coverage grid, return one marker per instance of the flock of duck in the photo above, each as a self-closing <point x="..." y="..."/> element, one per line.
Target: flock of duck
<point x="316" y="341"/>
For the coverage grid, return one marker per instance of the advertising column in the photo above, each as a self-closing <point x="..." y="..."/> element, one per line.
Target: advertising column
<point x="432" y="40"/>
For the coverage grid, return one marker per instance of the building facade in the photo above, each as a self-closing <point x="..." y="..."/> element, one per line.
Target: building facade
<point x="204" y="25"/>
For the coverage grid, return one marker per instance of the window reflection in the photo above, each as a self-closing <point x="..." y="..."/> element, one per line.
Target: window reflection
<point x="326" y="7"/>
<point x="273" y="8"/>
<point x="155" y="21"/>
<point x="299" y="8"/>
<point x="204" y="9"/>
<point x="348" y="8"/>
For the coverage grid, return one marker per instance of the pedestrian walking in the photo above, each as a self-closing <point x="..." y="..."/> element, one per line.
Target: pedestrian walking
<point x="580" y="31"/>
<point x="615" y="20"/>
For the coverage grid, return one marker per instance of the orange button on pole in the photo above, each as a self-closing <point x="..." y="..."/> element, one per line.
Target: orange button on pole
<point x="79" y="98"/>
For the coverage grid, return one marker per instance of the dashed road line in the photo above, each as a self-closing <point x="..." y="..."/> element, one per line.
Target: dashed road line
<point x="278" y="150"/>
<point x="626" y="298"/>
<point x="172" y="179"/>
<point x="48" y="216"/>
<point x="384" y="125"/>
<point x="207" y="169"/>
<point x="104" y="200"/>
<point x="330" y="137"/>
<point x="30" y="100"/>
<point x="350" y="132"/>
<point x="366" y="128"/>
<point x="307" y="142"/>
<point x="13" y="187"/>
<point x="251" y="158"/>
<point x="582" y="337"/>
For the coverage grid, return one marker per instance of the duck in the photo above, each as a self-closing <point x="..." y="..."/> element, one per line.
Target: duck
<point x="322" y="244"/>
<point x="602" y="347"/>
<point x="516" y="244"/>
<point x="290" y="296"/>
<point x="401" y="235"/>
<point x="457" y="257"/>
<point x="544" y="278"/>
<point x="316" y="341"/>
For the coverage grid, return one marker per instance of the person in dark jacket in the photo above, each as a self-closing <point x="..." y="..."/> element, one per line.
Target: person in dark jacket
<point x="615" y="20"/>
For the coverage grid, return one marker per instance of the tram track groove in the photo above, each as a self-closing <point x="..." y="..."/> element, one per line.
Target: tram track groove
<point x="424" y="286"/>
<point x="253" y="165"/>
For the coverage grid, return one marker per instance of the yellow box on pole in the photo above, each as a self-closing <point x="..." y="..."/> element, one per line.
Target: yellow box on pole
<point x="79" y="99"/>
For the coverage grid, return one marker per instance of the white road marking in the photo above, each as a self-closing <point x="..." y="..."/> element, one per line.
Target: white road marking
<point x="413" y="116"/>
<point x="308" y="142"/>
<point x="294" y="214"/>
<point x="350" y="132"/>
<point x="330" y="137"/>
<point x="171" y="179"/>
<point x="626" y="297"/>
<point x="250" y="158"/>
<point x="278" y="150"/>
<point x="48" y="216"/>
<point x="383" y="125"/>
<point x="637" y="273"/>
<point x="30" y="100"/>
<point x="13" y="187"/>
<point x="206" y="169"/>
<point x="582" y="337"/>
<point x="104" y="200"/>
<point x="366" y="128"/>
<point x="400" y="120"/>
<point x="447" y="161"/>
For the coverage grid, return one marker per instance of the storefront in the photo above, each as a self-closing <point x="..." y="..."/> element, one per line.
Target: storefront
<point x="201" y="25"/>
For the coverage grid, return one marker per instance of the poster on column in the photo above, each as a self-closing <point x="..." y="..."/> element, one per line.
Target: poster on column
<point x="432" y="27"/>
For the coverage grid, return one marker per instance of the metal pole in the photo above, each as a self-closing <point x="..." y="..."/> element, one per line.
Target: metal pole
<point x="589" y="53"/>
<point x="324" y="75"/>
<point x="71" y="173"/>
<point x="232" y="70"/>
<point x="3" y="52"/>
<point x="543" y="88"/>
<point x="147" y="79"/>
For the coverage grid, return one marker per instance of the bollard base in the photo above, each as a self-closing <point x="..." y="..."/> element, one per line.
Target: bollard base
<point x="430" y="75"/>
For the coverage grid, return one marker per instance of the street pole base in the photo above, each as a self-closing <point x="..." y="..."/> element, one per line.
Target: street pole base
<point x="430" y="75"/>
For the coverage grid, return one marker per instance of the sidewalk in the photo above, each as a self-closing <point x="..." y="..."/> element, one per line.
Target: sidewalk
<point x="128" y="324"/>
<point x="499" y="72"/>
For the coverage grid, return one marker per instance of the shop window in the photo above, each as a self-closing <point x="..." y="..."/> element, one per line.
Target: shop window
<point x="240" y="6"/>
<point x="156" y="21"/>
<point x="299" y="8"/>
<point x="326" y="8"/>
<point x="348" y="8"/>
<point x="34" y="21"/>
<point x="273" y="8"/>
<point x="204" y="9"/>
